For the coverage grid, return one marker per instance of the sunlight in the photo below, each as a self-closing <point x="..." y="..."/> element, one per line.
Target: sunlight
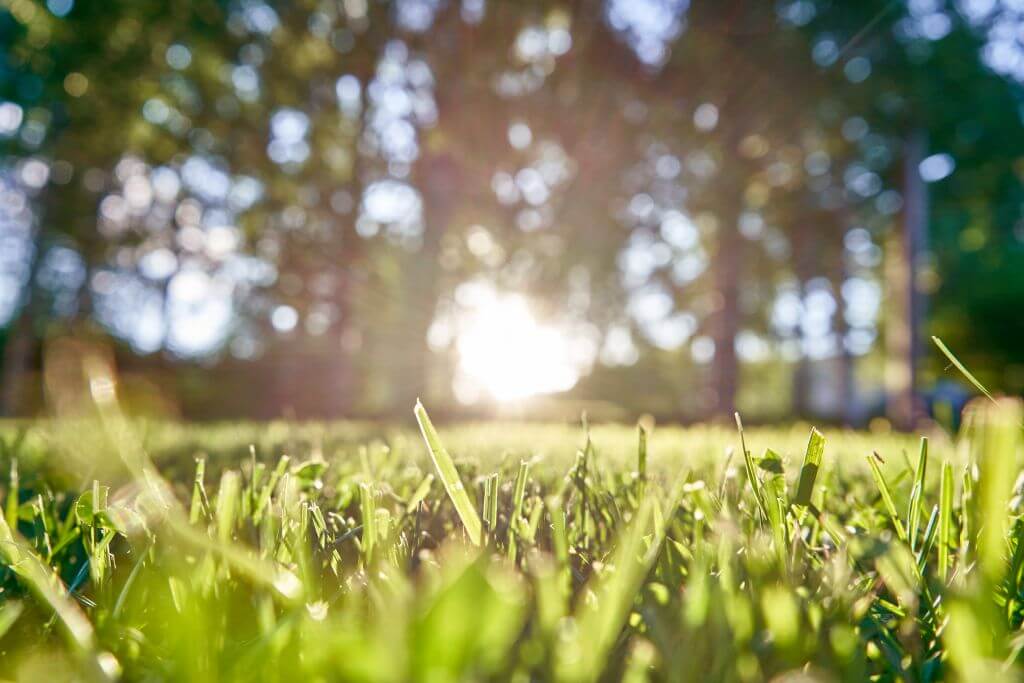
<point x="504" y="352"/>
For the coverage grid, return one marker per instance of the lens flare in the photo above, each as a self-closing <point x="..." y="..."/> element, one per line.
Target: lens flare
<point x="504" y="352"/>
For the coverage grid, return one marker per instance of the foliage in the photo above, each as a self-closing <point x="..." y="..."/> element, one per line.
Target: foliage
<point x="647" y="556"/>
<point x="206" y="181"/>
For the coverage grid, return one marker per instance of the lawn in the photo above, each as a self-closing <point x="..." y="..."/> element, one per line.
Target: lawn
<point x="504" y="551"/>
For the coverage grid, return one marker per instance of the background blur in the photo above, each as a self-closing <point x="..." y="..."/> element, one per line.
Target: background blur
<point x="325" y="208"/>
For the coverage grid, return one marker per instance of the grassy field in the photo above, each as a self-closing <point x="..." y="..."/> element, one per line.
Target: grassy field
<point x="158" y="551"/>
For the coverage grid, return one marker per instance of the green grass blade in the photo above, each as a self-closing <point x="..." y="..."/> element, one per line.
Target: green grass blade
<point x="518" y="497"/>
<point x="200" y="504"/>
<point x="775" y="494"/>
<point x="930" y="534"/>
<point x="490" y="506"/>
<point x="883" y="489"/>
<point x="914" y="511"/>
<point x="368" y="511"/>
<point x="809" y="470"/>
<point x="963" y="370"/>
<point x="49" y="592"/>
<point x="945" y="520"/>
<point x="599" y="622"/>
<point x="449" y="476"/>
<point x="520" y="489"/>
<point x="268" y="488"/>
<point x="995" y="450"/>
<point x="419" y="494"/>
<point x="9" y="613"/>
<point x="11" y="511"/>
<point x="559" y="534"/>
<point x="748" y="463"/>
<point x="228" y="504"/>
<point x="641" y="462"/>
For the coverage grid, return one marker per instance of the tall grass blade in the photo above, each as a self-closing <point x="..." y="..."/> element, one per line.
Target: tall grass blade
<point x="599" y="622"/>
<point x="945" y="520"/>
<point x="449" y="476"/>
<point x="490" y="506"/>
<point x="368" y="511"/>
<point x="883" y="489"/>
<point x="641" y="462"/>
<point x="963" y="370"/>
<point x="995" y="450"/>
<point x="748" y="462"/>
<point x="50" y="593"/>
<point x="11" y="510"/>
<point x="200" y="504"/>
<point x="515" y="516"/>
<point x="809" y="470"/>
<point x="9" y="613"/>
<point x="914" y="511"/>
<point x="775" y="495"/>
<point x="228" y="504"/>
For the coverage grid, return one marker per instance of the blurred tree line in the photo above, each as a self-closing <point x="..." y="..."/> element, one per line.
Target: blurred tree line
<point x="289" y="207"/>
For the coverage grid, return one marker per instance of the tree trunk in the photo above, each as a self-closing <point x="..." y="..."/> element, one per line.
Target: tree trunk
<point x="803" y="260"/>
<point x="438" y="182"/>
<point x="17" y="360"/>
<point x="346" y="336"/>
<point x="846" y="380"/>
<point x="905" y="304"/>
<point x="22" y="345"/>
<point x="724" y="322"/>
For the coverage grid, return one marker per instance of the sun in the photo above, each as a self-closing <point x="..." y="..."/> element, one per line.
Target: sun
<point x="504" y="352"/>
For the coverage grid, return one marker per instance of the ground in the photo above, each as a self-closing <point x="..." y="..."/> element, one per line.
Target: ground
<point x="154" y="550"/>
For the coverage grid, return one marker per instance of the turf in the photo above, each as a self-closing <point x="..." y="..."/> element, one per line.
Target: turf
<point x="502" y="551"/>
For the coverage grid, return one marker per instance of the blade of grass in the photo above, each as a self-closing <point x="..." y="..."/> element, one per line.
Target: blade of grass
<point x="995" y="450"/>
<point x="914" y="511"/>
<point x="48" y="590"/>
<point x="449" y="476"/>
<point x="228" y="498"/>
<point x="490" y="506"/>
<point x="268" y="488"/>
<point x="419" y="494"/>
<point x="775" y="492"/>
<point x="930" y="534"/>
<point x="12" y="496"/>
<point x="887" y="497"/>
<point x="809" y="470"/>
<point x="200" y="503"/>
<point x="945" y="520"/>
<point x="600" y="621"/>
<point x="883" y="488"/>
<point x="518" y="497"/>
<point x="641" y="462"/>
<point x="748" y="462"/>
<point x="9" y="613"/>
<point x="368" y="509"/>
<point x="963" y="370"/>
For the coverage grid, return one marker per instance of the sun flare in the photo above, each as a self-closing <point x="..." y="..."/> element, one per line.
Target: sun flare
<point x="506" y="353"/>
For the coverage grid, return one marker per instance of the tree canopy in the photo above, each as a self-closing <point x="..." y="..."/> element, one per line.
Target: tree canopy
<point x="657" y="204"/>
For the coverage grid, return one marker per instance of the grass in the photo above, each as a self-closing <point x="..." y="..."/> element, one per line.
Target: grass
<point x="162" y="551"/>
